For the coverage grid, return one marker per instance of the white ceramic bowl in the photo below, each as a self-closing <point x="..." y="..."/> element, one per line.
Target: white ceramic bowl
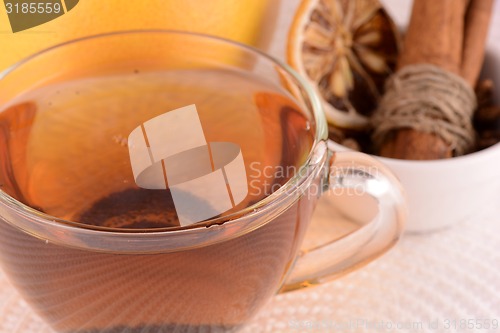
<point x="445" y="192"/>
<point x="440" y="193"/>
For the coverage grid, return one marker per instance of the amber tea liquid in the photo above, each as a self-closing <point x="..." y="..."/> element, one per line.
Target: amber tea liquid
<point x="63" y="151"/>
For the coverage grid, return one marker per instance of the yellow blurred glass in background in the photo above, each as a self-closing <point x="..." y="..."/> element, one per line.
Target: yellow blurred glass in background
<point x="246" y="21"/>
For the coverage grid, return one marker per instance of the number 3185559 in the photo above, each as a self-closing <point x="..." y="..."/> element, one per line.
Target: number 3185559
<point x="33" y="8"/>
<point x="477" y="324"/>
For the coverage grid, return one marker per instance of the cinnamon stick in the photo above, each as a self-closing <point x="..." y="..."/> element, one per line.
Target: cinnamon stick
<point x="436" y="36"/>
<point x="477" y="21"/>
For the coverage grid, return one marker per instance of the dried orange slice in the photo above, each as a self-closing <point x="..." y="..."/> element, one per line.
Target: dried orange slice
<point x="346" y="49"/>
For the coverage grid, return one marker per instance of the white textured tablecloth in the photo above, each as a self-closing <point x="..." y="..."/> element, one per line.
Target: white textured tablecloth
<point x="421" y="285"/>
<point x="426" y="279"/>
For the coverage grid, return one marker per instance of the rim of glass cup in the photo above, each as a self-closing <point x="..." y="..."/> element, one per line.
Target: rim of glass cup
<point x="292" y="185"/>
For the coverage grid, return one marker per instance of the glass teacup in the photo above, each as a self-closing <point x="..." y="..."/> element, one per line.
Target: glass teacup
<point x="164" y="181"/>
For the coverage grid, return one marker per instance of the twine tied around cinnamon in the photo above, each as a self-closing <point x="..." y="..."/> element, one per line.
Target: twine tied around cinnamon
<point x="429" y="99"/>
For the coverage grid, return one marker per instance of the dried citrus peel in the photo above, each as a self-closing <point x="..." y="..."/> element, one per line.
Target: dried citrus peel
<point x="346" y="49"/>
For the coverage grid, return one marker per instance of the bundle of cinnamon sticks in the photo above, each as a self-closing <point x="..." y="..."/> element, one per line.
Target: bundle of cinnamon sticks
<point x="450" y="34"/>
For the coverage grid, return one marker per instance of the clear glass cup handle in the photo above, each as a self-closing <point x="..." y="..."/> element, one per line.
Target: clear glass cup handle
<point x="352" y="170"/>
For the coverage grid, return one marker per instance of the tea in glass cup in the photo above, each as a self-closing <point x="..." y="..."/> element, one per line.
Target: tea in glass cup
<point x="162" y="181"/>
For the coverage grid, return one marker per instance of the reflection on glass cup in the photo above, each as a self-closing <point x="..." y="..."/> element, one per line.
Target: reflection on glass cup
<point x="96" y="245"/>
